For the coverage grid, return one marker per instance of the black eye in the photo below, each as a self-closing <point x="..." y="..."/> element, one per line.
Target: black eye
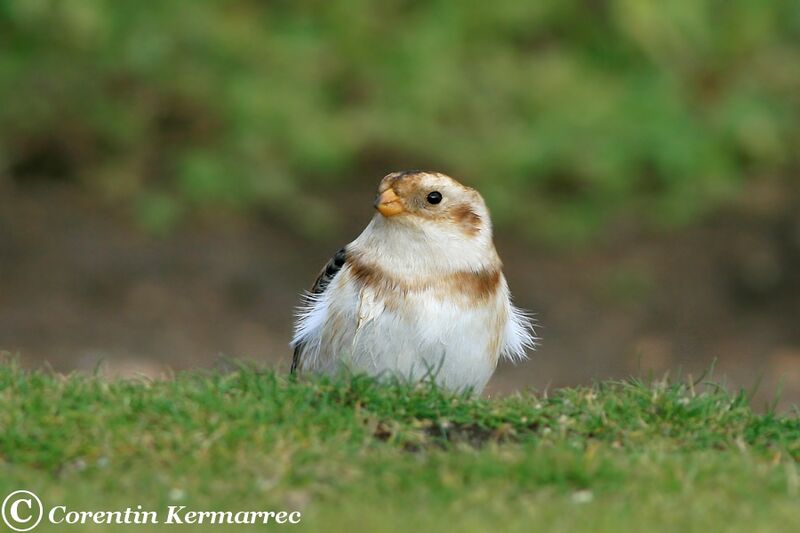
<point x="435" y="197"/>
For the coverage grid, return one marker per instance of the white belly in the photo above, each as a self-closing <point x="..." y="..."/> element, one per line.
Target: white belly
<point x="414" y="337"/>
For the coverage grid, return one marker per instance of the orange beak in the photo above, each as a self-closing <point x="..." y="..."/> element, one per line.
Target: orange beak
<point x="389" y="204"/>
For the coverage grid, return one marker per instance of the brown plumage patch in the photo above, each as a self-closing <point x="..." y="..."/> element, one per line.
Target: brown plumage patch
<point x="404" y="183"/>
<point x="365" y="273"/>
<point x="467" y="219"/>
<point x="472" y="286"/>
<point x="479" y="285"/>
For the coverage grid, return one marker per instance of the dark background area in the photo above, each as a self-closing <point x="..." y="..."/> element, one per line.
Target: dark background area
<point x="172" y="176"/>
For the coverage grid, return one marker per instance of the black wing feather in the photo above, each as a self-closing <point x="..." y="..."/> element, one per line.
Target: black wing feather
<point x="321" y="285"/>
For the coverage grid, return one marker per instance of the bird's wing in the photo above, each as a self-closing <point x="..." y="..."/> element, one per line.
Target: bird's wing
<point x="318" y="289"/>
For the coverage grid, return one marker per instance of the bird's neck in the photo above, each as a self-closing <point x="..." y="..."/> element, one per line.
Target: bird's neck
<point x="424" y="249"/>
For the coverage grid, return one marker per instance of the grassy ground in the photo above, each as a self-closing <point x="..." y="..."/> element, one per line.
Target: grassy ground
<point x="355" y="455"/>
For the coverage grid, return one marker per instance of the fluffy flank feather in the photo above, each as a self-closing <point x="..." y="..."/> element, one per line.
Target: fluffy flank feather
<point x="310" y="317"/>
<point x="519" y="336"/>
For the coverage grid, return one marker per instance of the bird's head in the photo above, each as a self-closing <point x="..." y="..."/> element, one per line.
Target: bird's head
<point x="428" y="222"/>
<point x="417" y="197"/>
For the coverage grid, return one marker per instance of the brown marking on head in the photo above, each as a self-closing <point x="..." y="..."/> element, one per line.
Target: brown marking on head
<point x="467" y="219"/>
<point x="402" y="182"/>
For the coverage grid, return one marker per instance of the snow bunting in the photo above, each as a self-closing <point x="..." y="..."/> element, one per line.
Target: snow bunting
<point x="419" y="294"/>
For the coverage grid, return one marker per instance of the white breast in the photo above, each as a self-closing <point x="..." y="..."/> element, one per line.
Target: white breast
<point x="413" y="333"/>
<point x="414" y="336"/>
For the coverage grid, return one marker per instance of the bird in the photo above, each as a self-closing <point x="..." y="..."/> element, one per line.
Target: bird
<point x="419" y="295"/>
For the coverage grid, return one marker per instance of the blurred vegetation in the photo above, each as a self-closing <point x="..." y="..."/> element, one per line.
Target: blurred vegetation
<point x="565" y="113"/>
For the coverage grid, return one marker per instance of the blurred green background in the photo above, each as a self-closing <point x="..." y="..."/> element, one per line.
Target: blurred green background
<point x="173" y="174"/>
<point x="566" y="114"/>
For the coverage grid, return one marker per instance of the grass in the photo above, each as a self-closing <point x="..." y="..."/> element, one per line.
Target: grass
<point x="350" y="453"/>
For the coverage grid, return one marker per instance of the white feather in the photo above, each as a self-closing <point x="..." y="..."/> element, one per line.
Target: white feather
<point x="519" y="335"/>
<point x="310" y="317"/>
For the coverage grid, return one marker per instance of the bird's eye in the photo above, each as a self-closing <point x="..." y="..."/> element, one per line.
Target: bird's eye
<point x="435" y="197"/>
